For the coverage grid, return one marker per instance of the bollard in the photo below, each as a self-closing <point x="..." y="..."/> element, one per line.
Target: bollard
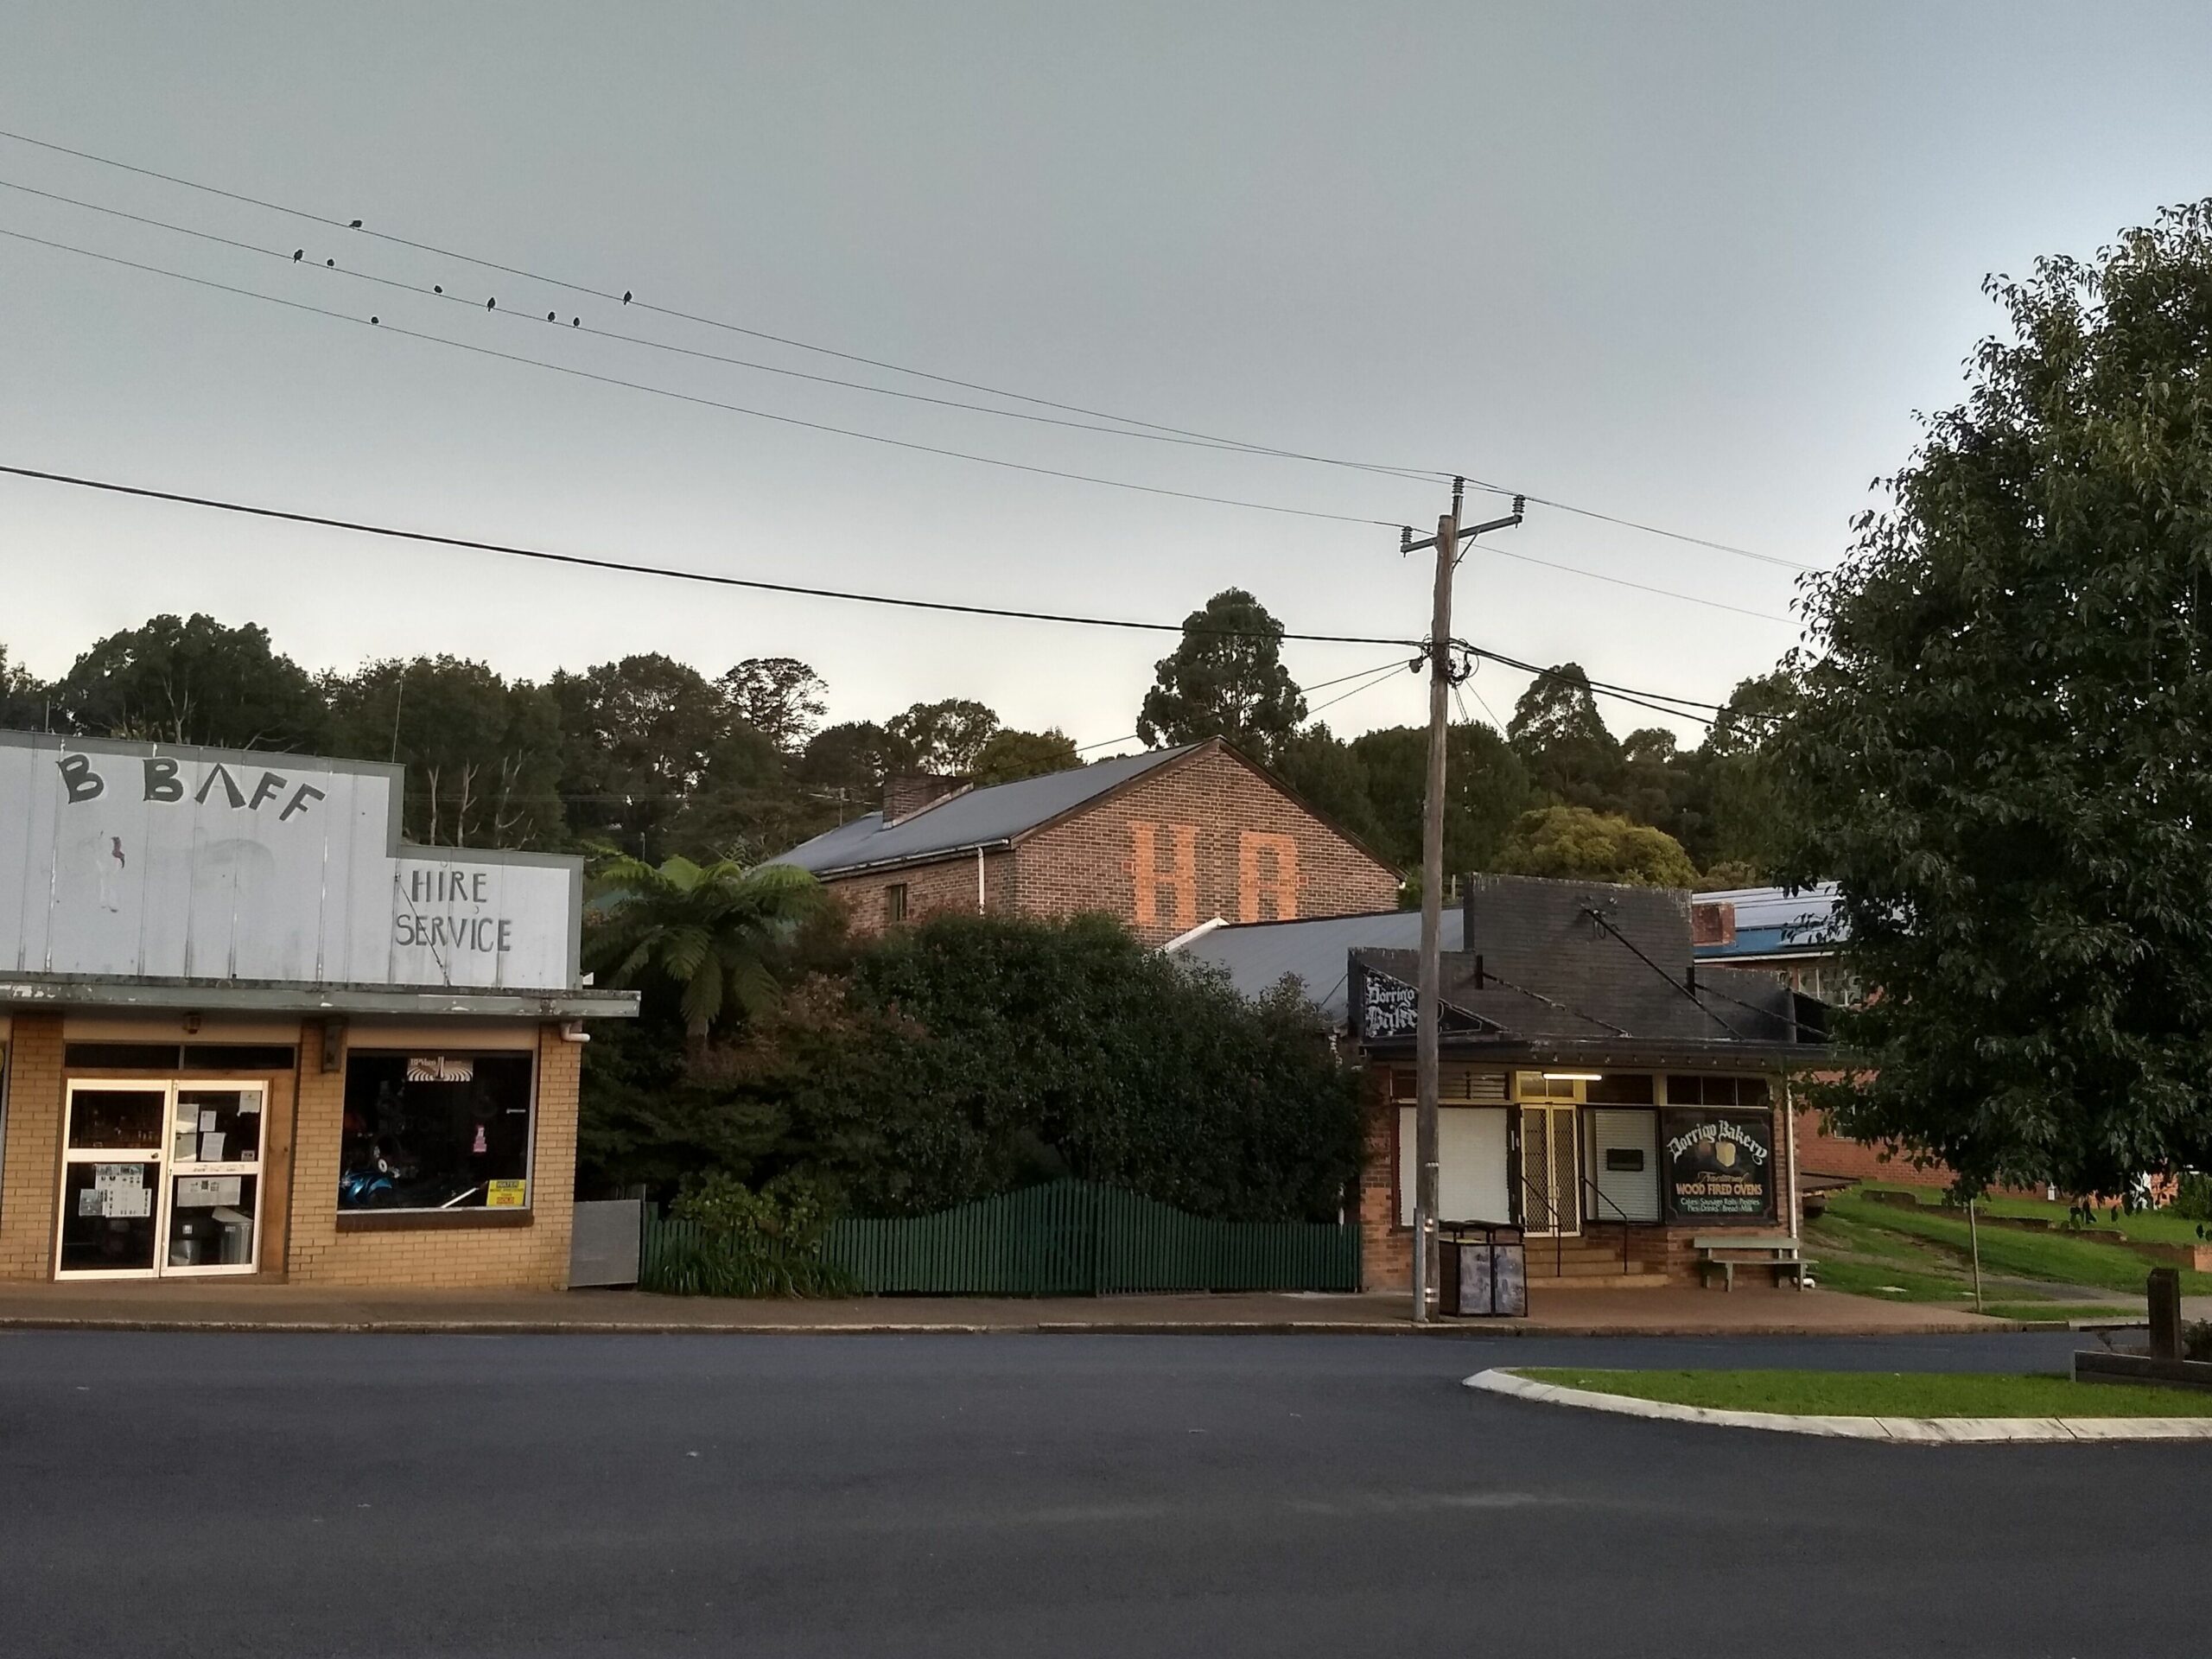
<point x="2166" y="1313"/>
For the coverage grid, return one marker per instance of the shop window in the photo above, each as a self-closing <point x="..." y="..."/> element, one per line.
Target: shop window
<point x="435" y="1132"/>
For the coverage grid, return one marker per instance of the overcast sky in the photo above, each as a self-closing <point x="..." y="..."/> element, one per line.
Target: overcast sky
<point x="1694" y="265"/>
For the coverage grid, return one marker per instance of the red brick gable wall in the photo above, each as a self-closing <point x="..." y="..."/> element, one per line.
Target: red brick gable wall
<point x="1208" y="837"/>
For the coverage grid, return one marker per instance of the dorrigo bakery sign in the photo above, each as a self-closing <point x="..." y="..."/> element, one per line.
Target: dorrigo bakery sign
<point x="154" y="861"/>
<point x="1717" y="1165"/>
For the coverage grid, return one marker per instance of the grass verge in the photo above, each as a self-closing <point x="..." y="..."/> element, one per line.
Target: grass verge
<point x="2059" y="1258"/>
<point x="1882" y="1394"/>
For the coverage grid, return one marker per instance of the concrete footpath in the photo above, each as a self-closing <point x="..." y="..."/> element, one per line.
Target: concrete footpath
<point x="209" y="1305"/>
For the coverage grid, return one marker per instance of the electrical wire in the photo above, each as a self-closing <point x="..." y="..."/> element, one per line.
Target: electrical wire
<point x="1386" y="669"/>
<point x="587" y="562"/>
<point x="436" y="291"/>
<point x="1422" y="473"/>
<point x="530" y="319"/>
<point x="688" y="397"/>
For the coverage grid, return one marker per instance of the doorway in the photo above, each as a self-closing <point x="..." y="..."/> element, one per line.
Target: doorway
<point x="161" y="1179"/>
<point x="1551" y="1172"/>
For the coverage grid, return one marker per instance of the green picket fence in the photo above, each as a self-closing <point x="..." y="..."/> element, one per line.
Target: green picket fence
<point x="1066" y="1238"/>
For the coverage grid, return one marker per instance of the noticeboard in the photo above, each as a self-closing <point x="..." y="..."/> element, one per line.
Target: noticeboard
<point x="1717" y="1165"/>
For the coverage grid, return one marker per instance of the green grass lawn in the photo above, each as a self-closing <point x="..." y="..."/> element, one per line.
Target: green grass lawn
<point x="1853" y="1222"/>
<point x="2151" y="1226"/>
<point x="1884" y="1394"/>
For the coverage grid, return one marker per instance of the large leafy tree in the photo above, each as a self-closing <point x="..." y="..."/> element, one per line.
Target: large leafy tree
<point x="637" y="737"/>
<point x="1007" y="755"/>
<point x="1225" y="679"/>
<point x="946" y="737"/>
<point x="706" y="932"/>
<point x="483" y="757"/>
<point x="779" y="697"/>
<point x="191" y="680"/>
<point x="2001" y="747"/>
<point x="1485" y="786"/>
<point x="23" y="698"/>
<point x="1748" y="807"/>
<point x="1575" y="842"/>
<point x="1570" y="756"/>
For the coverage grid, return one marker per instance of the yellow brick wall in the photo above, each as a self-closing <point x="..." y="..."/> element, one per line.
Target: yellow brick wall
<point x="532" y="1257"/>
<point x="28" y="1182"/>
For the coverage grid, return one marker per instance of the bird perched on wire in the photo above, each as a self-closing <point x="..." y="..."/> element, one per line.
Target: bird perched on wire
<point x="437" y="288"/>
<point x="549" y="317"/>
<point x="355" y="225"/>
<point x="625" y="296"/>
<point x="333" y="263"/>
<point x="491" y="304"/>
<point x="575" y="322"/>
<point x="298" y="254"/>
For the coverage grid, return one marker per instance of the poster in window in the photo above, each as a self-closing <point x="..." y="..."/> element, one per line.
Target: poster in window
<point x="1718" y="1166"/>
<point x="505" y="1195"/>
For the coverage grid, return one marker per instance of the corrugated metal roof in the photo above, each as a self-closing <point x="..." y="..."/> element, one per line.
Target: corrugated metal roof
<point x="1258" y="955"/>
<point x="981" y="817"/>
<point x="1778" y="921"/>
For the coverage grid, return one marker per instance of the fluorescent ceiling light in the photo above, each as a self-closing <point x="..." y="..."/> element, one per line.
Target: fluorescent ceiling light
<point x="1574" y="1077"/>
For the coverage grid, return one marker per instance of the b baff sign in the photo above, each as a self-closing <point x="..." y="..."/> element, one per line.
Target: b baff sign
<point x="1718" y="1166"/>
<point x="156" y="861"/>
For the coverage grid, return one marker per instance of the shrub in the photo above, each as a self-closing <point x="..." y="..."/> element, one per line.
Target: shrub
<point x="763" y="1243"/>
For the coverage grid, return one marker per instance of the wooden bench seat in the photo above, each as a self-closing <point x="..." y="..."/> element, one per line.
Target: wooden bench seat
<point x="1725" y="1252"/>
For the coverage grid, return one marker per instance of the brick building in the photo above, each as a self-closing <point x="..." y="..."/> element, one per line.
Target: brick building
<point x="1601" y="1094"/>
<point x="1165" y="841"/>
<point x="245" y="1030"/>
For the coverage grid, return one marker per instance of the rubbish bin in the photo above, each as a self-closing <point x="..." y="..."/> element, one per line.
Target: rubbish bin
<point x="1485" y="1272"/>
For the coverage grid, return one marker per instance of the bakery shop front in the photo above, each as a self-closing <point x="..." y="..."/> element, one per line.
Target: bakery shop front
<point x="246" y="1030"/>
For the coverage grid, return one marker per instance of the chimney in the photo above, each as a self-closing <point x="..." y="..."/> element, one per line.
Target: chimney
<point x="1713" y="923"/>
<point x="906" y="795"/>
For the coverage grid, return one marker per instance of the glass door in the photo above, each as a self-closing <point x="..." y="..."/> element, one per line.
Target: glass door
<point x="213" y="1217"/>
<point x="159" y="1179"/>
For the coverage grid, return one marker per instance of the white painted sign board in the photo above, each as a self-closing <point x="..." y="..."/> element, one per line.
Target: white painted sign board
<point x="156" y="861"/>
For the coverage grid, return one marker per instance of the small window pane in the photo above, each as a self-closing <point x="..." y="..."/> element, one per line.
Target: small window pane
<point x="210" y="1220"/>
<point x="116" y="1117"/>
<point x="238" y="1056"/>
<point x="107" y="1216"/>
<point x="216" y="1126"/>
<point x="1689" y="1092"/>
<point x="1620" y="1089"/>
<point x="120" y="1057"/>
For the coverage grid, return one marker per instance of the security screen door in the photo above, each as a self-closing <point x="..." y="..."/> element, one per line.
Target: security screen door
<point x="161" y="1179"/>
<point x="1551" y="1173"/>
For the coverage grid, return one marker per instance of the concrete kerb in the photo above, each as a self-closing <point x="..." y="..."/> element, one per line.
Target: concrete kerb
<point x="1913" y="1431"/>
<point x="401" y="1326"/>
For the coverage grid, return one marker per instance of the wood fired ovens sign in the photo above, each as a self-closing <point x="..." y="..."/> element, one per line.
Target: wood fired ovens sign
<point x="1718" y="1166"/>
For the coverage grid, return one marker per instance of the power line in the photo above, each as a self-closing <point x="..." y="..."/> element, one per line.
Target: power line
<point x="530" y="319"/>
<point x="628" y="297"/>
<point x="1386" y="669"/>
<point x="1640" y="587"/>
<point x="688" y="397"/>
<point x="587" y="562"/>
<point x="436" y="291"/>
<point x="1649" y="530"/>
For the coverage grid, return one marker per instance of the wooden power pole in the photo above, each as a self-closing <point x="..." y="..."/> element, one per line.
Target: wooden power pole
<point x="1443" y="675"/>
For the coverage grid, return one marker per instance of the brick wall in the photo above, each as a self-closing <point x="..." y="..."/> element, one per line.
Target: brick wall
<point x="28" y="1181"/>
<point x="532" y="1256"/>
<point x="1210" y="837"/>
<point x="949" y="884"/>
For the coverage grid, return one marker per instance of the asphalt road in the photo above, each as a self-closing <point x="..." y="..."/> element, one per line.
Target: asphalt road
<point x="213" y="1495"/>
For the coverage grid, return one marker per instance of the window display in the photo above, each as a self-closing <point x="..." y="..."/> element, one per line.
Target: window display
<point x="435" y="1132"/>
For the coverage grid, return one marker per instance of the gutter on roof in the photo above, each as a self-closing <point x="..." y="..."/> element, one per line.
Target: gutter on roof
<point x="1003" y="843"/>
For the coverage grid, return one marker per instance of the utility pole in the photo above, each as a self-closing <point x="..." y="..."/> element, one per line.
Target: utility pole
<point x="1444" y="673"/>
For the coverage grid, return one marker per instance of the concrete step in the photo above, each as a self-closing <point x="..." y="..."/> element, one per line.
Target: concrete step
<point x="1615" y="1280"/>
